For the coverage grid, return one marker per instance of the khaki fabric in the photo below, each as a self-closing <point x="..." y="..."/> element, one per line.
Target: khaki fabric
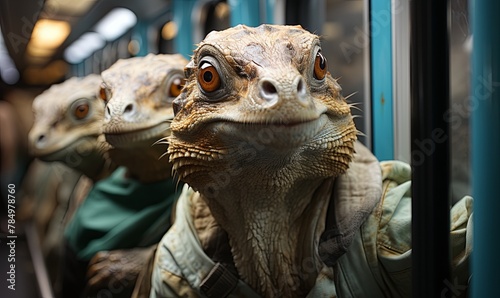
<point x="378" y="262"/>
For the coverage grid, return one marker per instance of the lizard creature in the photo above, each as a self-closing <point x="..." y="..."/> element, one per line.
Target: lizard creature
<point x="68" y="127"/>
<point x="280" y="187"/>
<point x="138" y="93"/>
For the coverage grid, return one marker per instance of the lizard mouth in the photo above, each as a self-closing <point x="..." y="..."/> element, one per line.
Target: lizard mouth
<point x="279" y="135"/>
<point x="80" y="147"/>
<point x="139" y="137"/>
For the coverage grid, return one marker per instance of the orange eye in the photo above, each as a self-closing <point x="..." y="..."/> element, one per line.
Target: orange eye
<point x="320" y="68"/>
<point x="208" y="77"/>
<point x="103" y="93"/>
<point x="81" y="111"/>
<point x="176" y="87"/>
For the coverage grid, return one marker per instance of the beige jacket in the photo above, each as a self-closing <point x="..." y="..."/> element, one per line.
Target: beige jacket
<point x="377" y="262"/>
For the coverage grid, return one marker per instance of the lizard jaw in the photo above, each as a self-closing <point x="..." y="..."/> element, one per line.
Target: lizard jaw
<point x="275" y="136"/>
<point x="136" y="138"/>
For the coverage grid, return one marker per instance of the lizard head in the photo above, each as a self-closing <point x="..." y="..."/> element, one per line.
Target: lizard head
<point x="260" y="98"/>
<point x="138" y="93"/>
<point x="68" y="124"/>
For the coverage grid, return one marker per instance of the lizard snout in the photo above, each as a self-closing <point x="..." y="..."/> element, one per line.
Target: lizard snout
<point x="124" y="111"/>
<point x="273" y="92"/>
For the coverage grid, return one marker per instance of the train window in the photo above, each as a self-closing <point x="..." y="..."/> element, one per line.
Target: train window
<point x="210" y="15"/>
<point x="217" y="16"/>
<point x="166" y="37"/>
<point x="460" y="102"/>
<point x="103" y="58"/>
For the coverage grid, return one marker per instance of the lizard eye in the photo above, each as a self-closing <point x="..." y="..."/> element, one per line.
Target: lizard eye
<point x="320" y="68"/>
<point x="81" y="111"/>
<point x="176" y="86"/>
<point x="208" y="77"/>
<point x="104" y="93"/>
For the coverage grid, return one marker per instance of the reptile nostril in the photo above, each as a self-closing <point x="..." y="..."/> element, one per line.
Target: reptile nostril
<point x="268" y="91"/>
<point x="268" y="88"/>
<point x="128" y="109"/>
<point x="301" y="89"/>
<point x="41" y="139"/>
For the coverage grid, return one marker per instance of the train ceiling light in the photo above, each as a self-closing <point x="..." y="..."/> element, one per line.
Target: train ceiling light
<point x="109" y="28"/>
<point x="83" y="47"/>
<point x="47" y="36"/>
<point x="116" y="23"/>
<point x="8" y="71"/>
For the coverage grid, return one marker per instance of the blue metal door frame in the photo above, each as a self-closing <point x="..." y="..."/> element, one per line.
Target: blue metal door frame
<point x="251" y="13"/>
<point x="485" y="147"/>
<point x="381" y="79"/>
<point x="182" y="11"/>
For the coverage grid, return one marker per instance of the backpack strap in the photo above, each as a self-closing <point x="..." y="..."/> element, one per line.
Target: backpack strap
<point x="331" y="244"/>
<point x="219" y="282"/>
<point x="354" y="196"/>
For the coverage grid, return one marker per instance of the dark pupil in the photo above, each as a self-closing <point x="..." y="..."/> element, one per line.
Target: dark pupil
<point x="81" y="109"/>
<point x="208" y="76"/>
<point x="322" y="63"/>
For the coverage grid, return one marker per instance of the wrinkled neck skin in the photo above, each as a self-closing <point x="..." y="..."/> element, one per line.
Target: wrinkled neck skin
<point x="96" y="166"/>
<point x="273" y="231"/>
<point x="145" y="162"/>
<point x="87" y="155"/>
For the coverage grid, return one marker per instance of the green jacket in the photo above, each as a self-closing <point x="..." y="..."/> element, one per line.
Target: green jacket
<point x="119" y="213"/>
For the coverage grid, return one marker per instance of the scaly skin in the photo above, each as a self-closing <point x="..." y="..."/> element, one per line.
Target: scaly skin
<point x="68" y="127"/>
<point x="139" y="93"/>
<point x="260" y="146"/>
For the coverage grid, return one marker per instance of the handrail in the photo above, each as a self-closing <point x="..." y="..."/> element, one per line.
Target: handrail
<point x="42" y="276"/>
<point x="430" y="152"/>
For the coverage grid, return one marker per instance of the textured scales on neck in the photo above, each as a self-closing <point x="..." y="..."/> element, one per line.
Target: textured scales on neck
<point x="68" y="127"/>
<point x="138" y="94"/>
<point x="143" y="164"/>
<point x="260" y="131"/>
